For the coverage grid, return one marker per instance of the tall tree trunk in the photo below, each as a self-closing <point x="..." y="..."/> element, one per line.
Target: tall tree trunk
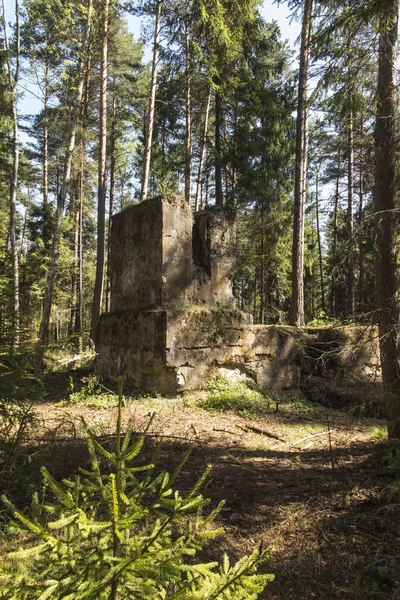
<point x="61" y="198"/>
<point x="203" y="145"/>
<point x="188" y="134"/>
<point x="385" y="218"/>
<point x="112" y="196"/>
<point x="13" y="81"/>
<point x="335" y="237"/>
<point x="75" y="219"/>
<point x="350" y="213"/>
<point x="297" y="303"/>
<point x="262" y="266"/>
<point x="321" y="269"/>
<point x="101" y="195"/>
<point x="46" y="136"/>
<point x="218" y="164"/>
<point x="152" y="101"/>
<point x="361" y="233"/>
<point x="79" y="304"/>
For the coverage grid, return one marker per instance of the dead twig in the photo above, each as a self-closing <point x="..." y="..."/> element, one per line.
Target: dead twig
<point x="308" y="437"/>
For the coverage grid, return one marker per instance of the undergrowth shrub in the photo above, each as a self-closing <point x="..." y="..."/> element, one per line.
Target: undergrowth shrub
<point x="387" y="454"/>
<point x="92" y="394"/>
<point x="242" y="397"/>
<point x="17" y="421"/>
<point x="120" y="531"/>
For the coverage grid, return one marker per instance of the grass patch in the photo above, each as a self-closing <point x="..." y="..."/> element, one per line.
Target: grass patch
<point x="91" y="395"/>
<point x="242" y="397"/>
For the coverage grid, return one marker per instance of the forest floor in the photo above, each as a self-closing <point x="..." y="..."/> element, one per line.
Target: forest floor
<point x="305" y="481"/>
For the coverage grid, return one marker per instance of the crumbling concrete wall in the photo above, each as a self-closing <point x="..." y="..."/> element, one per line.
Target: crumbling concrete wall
<point x="170" y="351"/>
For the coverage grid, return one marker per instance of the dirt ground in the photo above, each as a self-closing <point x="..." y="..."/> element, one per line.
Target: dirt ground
<point x="303" y="481"/>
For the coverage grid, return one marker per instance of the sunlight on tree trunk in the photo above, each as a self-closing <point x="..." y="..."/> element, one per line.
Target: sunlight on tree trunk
<point x="385" y="217"/>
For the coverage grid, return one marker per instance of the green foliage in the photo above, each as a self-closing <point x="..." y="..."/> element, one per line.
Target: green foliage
<point x="120" y="534"/>
<point x="379" y="434"/>
<point x="91" y="395"/>
<point x="242" y="397"/>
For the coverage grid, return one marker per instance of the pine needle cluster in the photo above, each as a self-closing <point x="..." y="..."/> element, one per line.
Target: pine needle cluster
<point x="121" y="534"/>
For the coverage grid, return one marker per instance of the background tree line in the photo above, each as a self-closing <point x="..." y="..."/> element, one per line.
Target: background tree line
<point x="213" y="117"/>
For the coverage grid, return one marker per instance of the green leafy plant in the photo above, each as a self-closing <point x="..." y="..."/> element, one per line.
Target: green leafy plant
<point x="91" y="395"/>
<point x="379" y="434"/>
<point x="119" y="531"/>
<point x="242" y="397"/>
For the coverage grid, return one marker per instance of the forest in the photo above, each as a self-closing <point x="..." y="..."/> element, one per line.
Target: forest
<point x="302" y="147"/>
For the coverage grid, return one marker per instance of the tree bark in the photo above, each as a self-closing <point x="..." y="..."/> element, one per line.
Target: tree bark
<point x="218" y="166"/>
<point x="385" y="218"/>
<point x="203" y="146"/>
<point x="102" y="183"/>
<point x="113" y="141"/>
<point x="152" y="101"/>
<point x="13" y="81"/>
<point x="188" y="134"/>
<point x="350" y="215"/>
<point x="361" y="233"/>
<point x="335" y="237"/>
<point x="297" y="303"/>
<point x="46" y="136"/>
<point x="321" y="270"/>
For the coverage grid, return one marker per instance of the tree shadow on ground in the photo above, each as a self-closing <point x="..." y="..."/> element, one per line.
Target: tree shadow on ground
<point x="335" y="530"/>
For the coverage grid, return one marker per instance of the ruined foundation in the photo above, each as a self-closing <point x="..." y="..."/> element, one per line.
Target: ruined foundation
<point x="173" y="326"/>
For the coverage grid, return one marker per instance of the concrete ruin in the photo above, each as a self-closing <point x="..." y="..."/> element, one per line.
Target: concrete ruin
<point x="173" y="325"/>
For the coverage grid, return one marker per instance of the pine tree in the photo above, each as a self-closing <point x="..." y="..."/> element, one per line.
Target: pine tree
<point x="122" y="534"/>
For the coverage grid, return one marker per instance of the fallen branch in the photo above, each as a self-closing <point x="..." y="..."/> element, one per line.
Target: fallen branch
<point x="260" y="432"/>
<point x="308" y="437"/>
<point x="69" y="360"/>
<point x="225" y="431"/>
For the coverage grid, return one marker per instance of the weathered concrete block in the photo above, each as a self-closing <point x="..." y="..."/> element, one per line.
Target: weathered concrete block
<point x="170" y="351"/>
<point x="151" y="254"/>
<point x="214" y="254"/>
<point x="155" y="261"/>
